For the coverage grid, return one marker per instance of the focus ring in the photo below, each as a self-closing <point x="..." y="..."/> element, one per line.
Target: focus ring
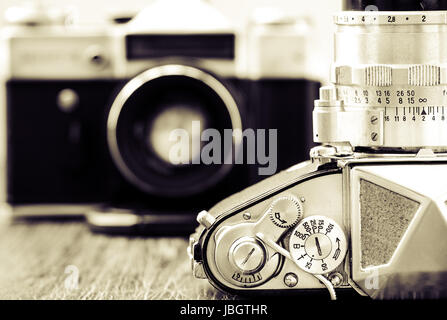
<point x="387" y="75"/>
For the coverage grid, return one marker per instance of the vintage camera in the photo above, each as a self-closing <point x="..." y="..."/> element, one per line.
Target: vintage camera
<point x="89" y="111"/>
<point x="368" y="212"/>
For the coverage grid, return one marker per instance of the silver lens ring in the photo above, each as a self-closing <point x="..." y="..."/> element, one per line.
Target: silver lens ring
<point x="156" y="73"/>
<point x="389" y="82"/>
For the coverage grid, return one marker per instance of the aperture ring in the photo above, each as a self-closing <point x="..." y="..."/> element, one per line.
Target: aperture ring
<point x="390" y="18"/>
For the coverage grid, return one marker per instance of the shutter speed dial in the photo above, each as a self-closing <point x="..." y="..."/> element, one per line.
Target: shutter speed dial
<point x="318" y="245"/>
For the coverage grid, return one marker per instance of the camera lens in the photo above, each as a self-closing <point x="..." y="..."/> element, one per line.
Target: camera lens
<point x="155" y="127"/>
<point x="395" y="5"/>
<point x="391" y="83"/>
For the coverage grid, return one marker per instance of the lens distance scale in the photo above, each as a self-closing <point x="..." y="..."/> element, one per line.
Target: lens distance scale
<point x="412" y="116"/>
<point x="318" y="245"/>
<point x="401" y="117"/>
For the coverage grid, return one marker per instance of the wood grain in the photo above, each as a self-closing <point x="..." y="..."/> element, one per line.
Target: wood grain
<point x="34" y="258"/>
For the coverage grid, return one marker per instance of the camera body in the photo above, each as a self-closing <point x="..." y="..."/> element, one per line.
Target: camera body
<point x="367" y="213"/>
<point x="86" y="110"/>
<point x="379" y="223"/>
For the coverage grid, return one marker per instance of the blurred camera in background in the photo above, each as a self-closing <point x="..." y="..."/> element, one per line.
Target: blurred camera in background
<point x="89" y="112"/>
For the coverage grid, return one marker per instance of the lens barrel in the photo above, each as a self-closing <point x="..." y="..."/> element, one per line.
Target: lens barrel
<point x="395" y="5"/>
<point x="390" y="80"/>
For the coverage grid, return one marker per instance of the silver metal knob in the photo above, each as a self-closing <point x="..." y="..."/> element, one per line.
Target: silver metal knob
<point x="286" y="211"/>
<point x="205" y="219"/>
<point x="248" y="255"/>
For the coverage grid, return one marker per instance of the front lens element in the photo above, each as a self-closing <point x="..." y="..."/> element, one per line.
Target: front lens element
<point x="161" y="136"/>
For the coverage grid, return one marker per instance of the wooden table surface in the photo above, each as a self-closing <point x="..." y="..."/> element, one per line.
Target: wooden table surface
<point x="41" y="260"/>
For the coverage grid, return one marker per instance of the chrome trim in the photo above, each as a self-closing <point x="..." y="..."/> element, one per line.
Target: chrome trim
<point x="114" y="218"/>
<point x="155" y="73"/>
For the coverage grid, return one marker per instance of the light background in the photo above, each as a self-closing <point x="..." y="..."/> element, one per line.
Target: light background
<point x="319" y="11"/>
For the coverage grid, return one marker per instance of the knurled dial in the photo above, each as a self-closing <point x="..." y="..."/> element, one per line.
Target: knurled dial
<point x="286" y="211"/>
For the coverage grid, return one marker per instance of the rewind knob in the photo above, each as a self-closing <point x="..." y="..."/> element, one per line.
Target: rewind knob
<point x="248" y="255"/>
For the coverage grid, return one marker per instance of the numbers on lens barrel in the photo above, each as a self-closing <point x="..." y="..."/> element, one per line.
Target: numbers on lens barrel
<point x="400" y="105"/>
<point x="400" y="18"/>
<point x="318" y="245"/>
